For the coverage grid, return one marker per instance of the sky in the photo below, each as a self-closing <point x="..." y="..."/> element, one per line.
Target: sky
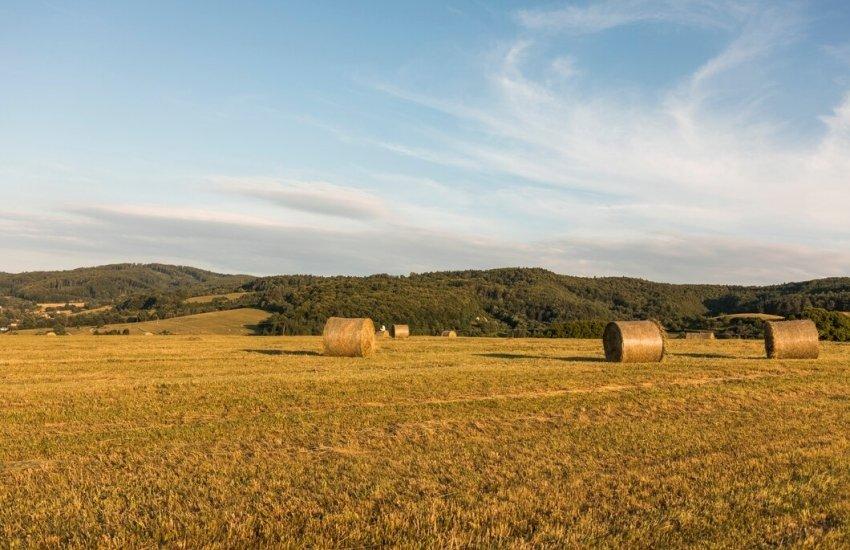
<point x="674" y="140"/>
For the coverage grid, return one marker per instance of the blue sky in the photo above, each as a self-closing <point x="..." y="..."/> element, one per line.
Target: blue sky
<point x="687" y="140"/>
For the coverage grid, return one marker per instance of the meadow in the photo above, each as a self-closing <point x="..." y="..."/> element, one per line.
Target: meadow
<point x="229" y="441"/>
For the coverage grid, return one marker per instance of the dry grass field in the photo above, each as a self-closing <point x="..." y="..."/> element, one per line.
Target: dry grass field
<point x="207" y="298"/>
<point x="232" y="321"/>
<point x="47" y="305"/>
<point x="762" y="316"/>
<point x="228" y="322"/>
<point x="236" y="441"/>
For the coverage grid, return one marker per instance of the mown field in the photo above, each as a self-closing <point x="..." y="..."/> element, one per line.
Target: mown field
<point x="240" y="321"/>
<point x="237" y="441"/>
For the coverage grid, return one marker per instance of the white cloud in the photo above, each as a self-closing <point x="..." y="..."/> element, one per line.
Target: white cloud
<point x="608" y="14"/>
<point x="257" y="245"/>
<point x="696" y="182"/>
<point x="565" y="66"/>
<point x="681" y="154"/>
<point x="315" y="197"/>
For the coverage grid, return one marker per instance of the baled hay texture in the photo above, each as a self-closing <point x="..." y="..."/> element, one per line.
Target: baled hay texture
<point x="791" y="339"/>
<point x="382" y="334"/>
<point x="699" y="335"/>
<point x="401" y="331"/>
<point x="449" y="334"/>
<point x="634" y="342"/>
<point x="349" y="337"/>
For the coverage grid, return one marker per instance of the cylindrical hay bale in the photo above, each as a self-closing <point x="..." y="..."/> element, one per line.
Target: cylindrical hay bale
<point x="349" y="337"/>
<point x="400" y="331"/>
<point x="791" y="339"/>
<point x="634" y="342"/>
<point x="701" y="335"/>
<point x="449" y="334"/>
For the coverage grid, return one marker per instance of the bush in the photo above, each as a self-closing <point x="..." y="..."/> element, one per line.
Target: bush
<point x="273" y="326"/>
<point x="832" y="325"/>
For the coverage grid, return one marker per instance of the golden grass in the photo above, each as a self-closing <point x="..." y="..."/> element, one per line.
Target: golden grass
<point x="236" y="441"/>
<point x="46" y="305"/>
<point x="234" y="321"/>
<point x="763" y="316"/>
<point x="229" y="322"/>
<point x="210" y="297"/>
<point x="92" y="310"/>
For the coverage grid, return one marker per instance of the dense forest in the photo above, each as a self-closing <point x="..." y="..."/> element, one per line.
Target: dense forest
<point x="107" y="283"/>
<point x="506" y="302"/>
<point x="531" y="302"/>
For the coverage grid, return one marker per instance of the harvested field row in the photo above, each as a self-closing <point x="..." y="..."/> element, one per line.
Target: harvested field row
<point x="245" y="441"/>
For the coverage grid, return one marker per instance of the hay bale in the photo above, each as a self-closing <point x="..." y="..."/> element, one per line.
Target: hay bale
<point x="791" y="339"/>
<point x="700" y="335"/>
<point x="400" y="331"/>
<point x="349" y="337"/>
<point x="449" y="334"/>
<point x="634" y="342"/>
<point x="50" y="334"/>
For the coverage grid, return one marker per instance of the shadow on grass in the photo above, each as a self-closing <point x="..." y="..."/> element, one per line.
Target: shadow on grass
<point x="281" y="352"/>
<point x="577" y="359"/>
<point x="704" y="355"/>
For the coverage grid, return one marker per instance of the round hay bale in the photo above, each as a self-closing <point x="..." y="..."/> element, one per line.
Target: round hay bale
<point x="349" y="337"/>
<point x="50" y="334"/>
<point x="634" y="342"/>
<point x="791" y="339"/>
<point x="400" y="331"/>
<point x="449" y="334"/>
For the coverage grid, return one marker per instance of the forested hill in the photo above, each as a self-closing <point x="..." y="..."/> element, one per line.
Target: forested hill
<point x="111" y="282"/>
<point x="511" y="301"/>
<point x="526" y="301"/>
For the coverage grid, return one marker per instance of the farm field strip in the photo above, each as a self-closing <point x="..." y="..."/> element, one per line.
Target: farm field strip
<point x="236" y="440"/>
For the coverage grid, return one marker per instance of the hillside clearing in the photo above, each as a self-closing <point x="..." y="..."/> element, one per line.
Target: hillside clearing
<point x="58" y="305"/>
<point x="246" y="441"/>
<point x="763" y="316"/>
<point x="210" y="297"/>
<point x="232" y="321"/>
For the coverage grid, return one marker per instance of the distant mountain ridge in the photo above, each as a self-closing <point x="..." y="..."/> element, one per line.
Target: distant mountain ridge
<point x="111" y="282"/>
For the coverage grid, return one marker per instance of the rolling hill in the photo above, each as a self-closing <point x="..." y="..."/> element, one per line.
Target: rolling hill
<point x="522" y="301"/>
<point x="508" y="301"/>
<point x="111" y="282"/>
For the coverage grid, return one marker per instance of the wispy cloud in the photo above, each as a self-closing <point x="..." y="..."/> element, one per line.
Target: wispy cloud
<point x="841" y="52"/>
<point x="541" y="159"/>
<point x="316" y="197"/>
<point x="608" y="14"/>
<point x="262" y="246"/>
<point x="684" y="147"/>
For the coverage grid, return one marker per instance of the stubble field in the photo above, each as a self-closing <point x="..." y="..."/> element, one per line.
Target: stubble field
<point x="237" y="441"/>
